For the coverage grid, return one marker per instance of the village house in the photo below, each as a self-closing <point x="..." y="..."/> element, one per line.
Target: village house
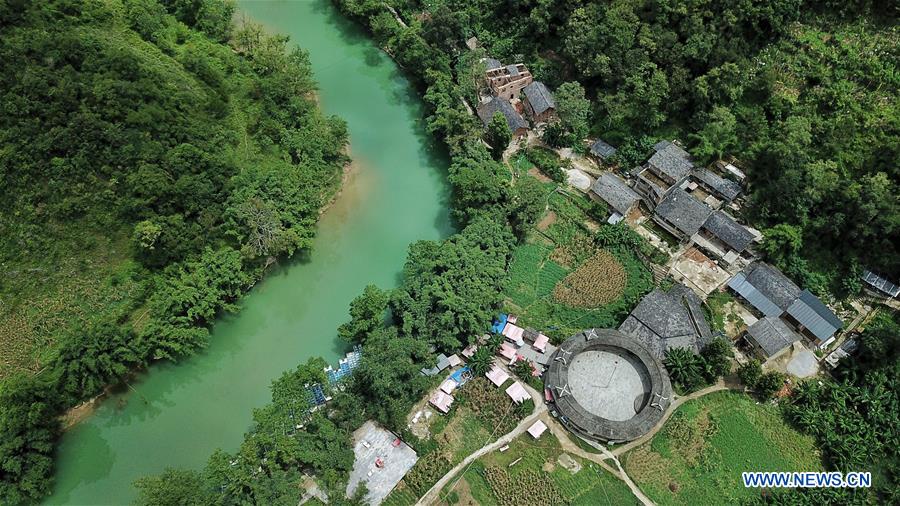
<point x="517" y="124"/>
<point x="671" y="167"/>
<point x="602" y="151"/>
<point x="620" y="198"/>
<point x="714" y="232"/>
<point x="507" y="82"/>
<point x="666" y="320"/>
<point x="773" y="295"/>
<point x="769" y="337"/>
<point x="539" y="103"/>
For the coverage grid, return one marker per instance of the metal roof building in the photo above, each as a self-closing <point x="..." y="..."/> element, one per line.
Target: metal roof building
<point x="814" y="316"/>
<point x="765" y="288"/>
<point x="880" y="283"/>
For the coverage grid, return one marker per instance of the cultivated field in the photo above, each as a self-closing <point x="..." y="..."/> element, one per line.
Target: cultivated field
<point x="535" y="477"/>
<point x="698" y="457"/>
<point x="561" y="281"/>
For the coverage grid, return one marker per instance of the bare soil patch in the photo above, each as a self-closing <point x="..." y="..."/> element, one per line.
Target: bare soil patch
<point x="546" y="221"/>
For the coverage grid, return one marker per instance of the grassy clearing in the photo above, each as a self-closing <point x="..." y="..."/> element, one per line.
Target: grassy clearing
<point x="47" y="295"/>
<point x="699" y="455"/>
<point x="718" y="312"/>
<point x="535" y="479"/>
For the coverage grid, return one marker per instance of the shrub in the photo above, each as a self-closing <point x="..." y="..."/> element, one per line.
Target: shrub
<point x="547" y="162"/>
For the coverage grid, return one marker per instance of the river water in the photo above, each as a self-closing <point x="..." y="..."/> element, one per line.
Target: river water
<point x="177" y="415"/>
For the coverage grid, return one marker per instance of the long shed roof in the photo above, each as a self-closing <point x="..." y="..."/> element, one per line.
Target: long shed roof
<point x="810" y="312"/>
<point x="728" y="231"/>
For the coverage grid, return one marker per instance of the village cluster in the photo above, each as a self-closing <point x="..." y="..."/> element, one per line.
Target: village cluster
<point x="609" y="386"/>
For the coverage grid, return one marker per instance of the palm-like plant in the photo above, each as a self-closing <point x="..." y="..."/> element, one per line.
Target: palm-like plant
<point x="683" y="366"/>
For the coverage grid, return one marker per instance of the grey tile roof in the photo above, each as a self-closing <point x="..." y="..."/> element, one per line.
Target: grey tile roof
<point x="765" y="288"/>
<point x="615" y="192"/>
<point x="728" y="231"/>
<point x="491" y="63"/>
<point x="602" y="150"/>
<point x="513" y="70"/>
<point x="666" y="320"/>
<point x="443" y="362"/>
<point x="539" y="97"/>
<point x="683" y="211"/>
<point x="810" y="312"/>
<point x="513" y="118"/>
<point x="671" y="160"/>
<point x="726" y="188"/>
<point x="772" y="335"/>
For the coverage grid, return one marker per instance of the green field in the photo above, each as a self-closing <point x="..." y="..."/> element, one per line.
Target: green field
<point x="548" y="256"/>
<point x="535" y="479"/>
<point x="698" y="457"/>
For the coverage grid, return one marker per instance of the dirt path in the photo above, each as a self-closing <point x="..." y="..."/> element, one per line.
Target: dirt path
<point x="562" y="435"/>
<point x="540" y="408"/>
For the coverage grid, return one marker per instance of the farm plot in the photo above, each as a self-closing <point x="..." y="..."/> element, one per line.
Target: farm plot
<point x="599" y="280"/>
<point x="698" y="457"/>
<point x="529" y="473"/>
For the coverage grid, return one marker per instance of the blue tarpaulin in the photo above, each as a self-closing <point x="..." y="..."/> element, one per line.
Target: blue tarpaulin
<point x="499" y="323"/>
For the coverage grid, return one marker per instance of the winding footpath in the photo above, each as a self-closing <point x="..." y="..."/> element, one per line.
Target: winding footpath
<point x="562" y="435"/>
<point x="540" y="409"/>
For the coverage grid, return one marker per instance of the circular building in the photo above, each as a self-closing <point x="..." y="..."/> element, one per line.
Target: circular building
<point x="606" y="386"/>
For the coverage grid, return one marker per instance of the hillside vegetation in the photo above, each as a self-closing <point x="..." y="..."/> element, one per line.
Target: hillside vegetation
<point x="804" y="93"/>
<point x="149" y="171"/>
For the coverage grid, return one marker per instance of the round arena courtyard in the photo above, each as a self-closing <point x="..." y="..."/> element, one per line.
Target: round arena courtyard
<point x="606" y="386"/>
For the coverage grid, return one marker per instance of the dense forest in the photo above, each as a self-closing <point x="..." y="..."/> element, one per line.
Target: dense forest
<point x="804" y="93"/>
<point x="154" y="160"/>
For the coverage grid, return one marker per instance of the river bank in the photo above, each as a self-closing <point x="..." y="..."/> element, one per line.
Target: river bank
<point x="393" y="194"/>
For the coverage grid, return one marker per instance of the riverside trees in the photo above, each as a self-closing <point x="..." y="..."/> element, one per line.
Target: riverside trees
<point x="130" y="120"/>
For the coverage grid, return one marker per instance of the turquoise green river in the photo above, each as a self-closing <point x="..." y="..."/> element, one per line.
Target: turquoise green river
<point x="178" y="414"/>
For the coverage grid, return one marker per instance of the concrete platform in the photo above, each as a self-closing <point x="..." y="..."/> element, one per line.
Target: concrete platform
<point x="371" y="443"/>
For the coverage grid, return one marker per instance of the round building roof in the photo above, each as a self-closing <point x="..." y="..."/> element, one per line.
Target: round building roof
<point x="606" y="386"/>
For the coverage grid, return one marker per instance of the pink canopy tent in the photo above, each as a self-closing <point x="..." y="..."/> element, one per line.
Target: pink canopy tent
<point x="441" y="401"/>
<point x="517" y="393"/>
<point x="537" y="429"/>
<point x="507" y="351"/>
<point x="497" y="376"/>
<point x="514" y="333"/>
<point x="540" y="344"/>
